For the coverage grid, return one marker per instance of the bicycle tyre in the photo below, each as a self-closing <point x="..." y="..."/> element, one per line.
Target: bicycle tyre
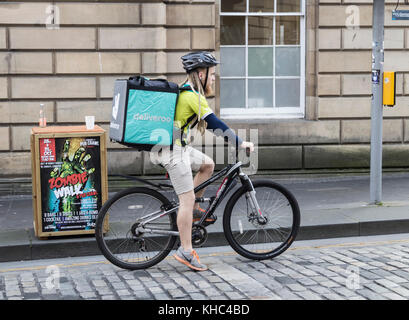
<point x="232" y="219"/>
<point x="124" y="218"/>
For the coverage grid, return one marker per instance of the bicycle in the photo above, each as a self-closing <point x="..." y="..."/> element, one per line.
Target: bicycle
<point x="136" y="228"/>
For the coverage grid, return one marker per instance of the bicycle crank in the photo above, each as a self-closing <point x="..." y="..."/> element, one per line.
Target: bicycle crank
<point x="199" y="235"/>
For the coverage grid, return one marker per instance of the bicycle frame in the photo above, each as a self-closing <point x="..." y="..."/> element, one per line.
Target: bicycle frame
<point x="231" y="173"/>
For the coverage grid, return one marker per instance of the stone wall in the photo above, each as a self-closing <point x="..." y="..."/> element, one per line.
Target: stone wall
<point x="71" y="65"/>
<point x="72" y="70"/>
<point x="344" y="84"/>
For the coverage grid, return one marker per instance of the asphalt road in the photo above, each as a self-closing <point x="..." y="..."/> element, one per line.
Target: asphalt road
<point x="16" y="211"/>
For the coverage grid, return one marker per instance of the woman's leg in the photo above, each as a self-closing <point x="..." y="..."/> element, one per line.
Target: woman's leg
<point x="204" y="165"/>
<point x="185" y="218"/>
<point x="204" y="173"/>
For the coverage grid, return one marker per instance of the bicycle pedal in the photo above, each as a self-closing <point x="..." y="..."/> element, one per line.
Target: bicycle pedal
<point x="208" y="223"/>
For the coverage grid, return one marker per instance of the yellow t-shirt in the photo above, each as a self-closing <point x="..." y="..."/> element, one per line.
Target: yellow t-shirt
<point x="187" y="110"/>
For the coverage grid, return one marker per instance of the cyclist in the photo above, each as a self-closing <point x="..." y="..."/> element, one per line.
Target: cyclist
<point x="179" y="161"/>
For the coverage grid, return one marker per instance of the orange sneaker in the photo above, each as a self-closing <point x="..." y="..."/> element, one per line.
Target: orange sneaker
<point x="189" y="259"/>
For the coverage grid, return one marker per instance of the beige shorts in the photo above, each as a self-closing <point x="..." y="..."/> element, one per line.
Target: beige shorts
<point x="179" y="163"/>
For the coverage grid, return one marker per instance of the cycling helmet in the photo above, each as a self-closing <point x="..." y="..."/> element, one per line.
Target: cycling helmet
<point x="200" y="59"/>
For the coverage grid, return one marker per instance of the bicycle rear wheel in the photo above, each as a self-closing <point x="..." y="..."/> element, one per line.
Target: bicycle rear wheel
<point x="117" y="233"/>
<point x="260" y="239"/>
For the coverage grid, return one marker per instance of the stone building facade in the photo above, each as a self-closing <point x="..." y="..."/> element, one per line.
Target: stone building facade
<point x="67" y="54"/>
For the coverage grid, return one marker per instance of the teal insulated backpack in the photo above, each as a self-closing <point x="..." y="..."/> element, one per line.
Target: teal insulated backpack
<point x="143" y="112"/>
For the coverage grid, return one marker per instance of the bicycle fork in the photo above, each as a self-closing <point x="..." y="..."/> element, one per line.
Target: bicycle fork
<point x="251" y="195"/>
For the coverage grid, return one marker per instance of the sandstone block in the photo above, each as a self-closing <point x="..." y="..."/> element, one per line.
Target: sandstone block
<point x="24" y="12"/>
<point x="53" y="87"/>
<point x="98" y="62"/>
<point x="3" y="42"/>
<point x="124" y="162"/>
<point x="75" y="111"/>
<point x="15" y="162"/>
<point x="344" y="16"/>
<point x="400" y="109"/>
<point x="396" y="61"/>
<point x="406" y="126"/>
<point x="154" y="62"/>
<point x="203" y="38"/>
<point x="24" y="111"/>
<point x="357" y="38"/>
<point x="289" y="131"/>
<point x="25" y="62"/>
<point x="344" y="107"/>
<point x="107" y="83"/>
<point x="132" y="38"/>
<point x="21" y="138"/>
<point x="395" y="155"/>
<point x="283" y="157"/>
<point x="153" y="13"/>
<point x="394" y="38"/>
<point x="193" y="15"/>
<point x="356" y="84"/>
<point x="329" y="38"/>
<point x="42" y="38"/>
<point x="406" y="84"/>
<point x="5" y="138"/>
<point x="175" y="63"/>
<point x="345" y="61"/>
<point x="337" y="156"/>
<point x="329" y="85"/>
<point x="178" y="38"/>
<point x="3" y="88"/>
<point x="362" y="38"/>
<point x="359" y="131"/>
<point x="98" y="13"/>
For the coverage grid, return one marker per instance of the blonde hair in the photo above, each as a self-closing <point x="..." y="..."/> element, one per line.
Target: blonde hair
<point x="196" y="84"/>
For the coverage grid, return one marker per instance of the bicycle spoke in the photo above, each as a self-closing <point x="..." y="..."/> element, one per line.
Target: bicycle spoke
<point x="254" y="235"/>
<point x="125" y="243"/>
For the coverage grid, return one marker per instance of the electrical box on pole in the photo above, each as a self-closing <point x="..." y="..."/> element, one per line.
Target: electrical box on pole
<point x="389" y="88"/>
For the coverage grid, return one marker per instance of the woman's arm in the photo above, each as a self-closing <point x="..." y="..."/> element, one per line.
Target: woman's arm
<point x="221" y="129"/>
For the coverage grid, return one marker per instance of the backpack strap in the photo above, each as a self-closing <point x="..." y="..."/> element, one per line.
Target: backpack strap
<point x="181" y="89"/>
<point x="188" y="88"/>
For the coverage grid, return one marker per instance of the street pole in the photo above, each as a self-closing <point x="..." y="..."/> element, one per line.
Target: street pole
<point x="377" y="103"/>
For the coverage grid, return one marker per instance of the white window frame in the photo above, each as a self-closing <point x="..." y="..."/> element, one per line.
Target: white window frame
<point x="275" y="112"/>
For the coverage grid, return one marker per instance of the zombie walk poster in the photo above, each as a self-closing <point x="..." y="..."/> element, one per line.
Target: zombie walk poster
<point x="70" y="183"/>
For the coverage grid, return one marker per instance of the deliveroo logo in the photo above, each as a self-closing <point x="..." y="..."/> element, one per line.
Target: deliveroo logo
<point x="148" y="117"/>
<point x="115" y="107"/>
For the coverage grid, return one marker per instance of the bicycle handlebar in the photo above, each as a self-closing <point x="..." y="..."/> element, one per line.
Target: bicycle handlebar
<point x="247" y="149"/>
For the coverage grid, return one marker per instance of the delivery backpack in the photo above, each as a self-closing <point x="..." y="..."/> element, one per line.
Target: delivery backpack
<point x="143" y="112"/>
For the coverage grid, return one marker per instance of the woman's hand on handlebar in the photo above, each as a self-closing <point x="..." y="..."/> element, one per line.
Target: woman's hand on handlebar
<point x="247" y="145"/>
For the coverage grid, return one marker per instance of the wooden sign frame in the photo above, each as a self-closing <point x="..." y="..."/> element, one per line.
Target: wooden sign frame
<point x="38" y="133"/>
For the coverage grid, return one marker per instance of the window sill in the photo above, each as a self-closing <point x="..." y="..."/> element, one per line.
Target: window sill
<point x="260" y="114"/>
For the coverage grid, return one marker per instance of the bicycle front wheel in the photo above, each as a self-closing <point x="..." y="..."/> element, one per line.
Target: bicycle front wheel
<point x="261" y="238"/>
<point x="118" y="229"/>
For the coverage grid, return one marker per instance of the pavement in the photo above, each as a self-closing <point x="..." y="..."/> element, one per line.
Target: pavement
<point x="333" y="204"/>
<point x="353" y="268"/>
